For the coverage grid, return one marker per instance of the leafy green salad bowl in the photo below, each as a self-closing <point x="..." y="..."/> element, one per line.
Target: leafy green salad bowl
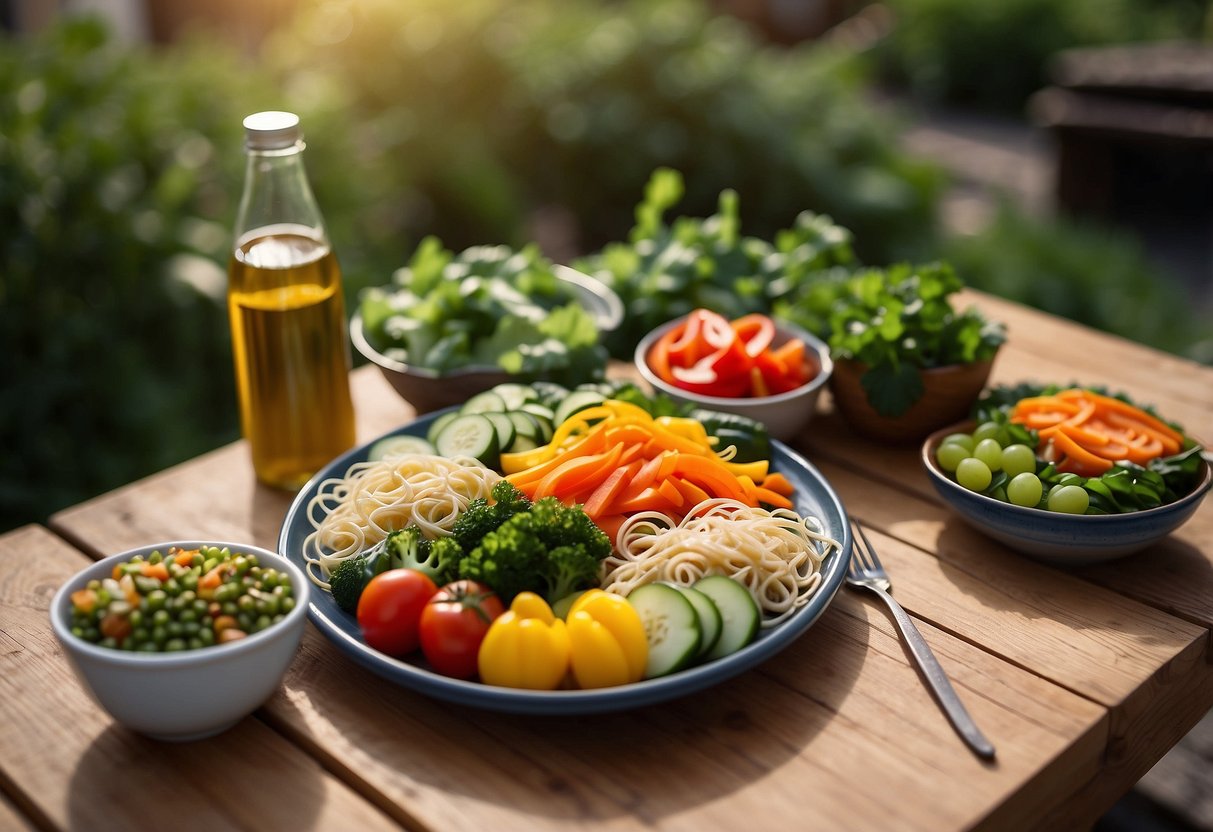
<point x="453" y="326"/>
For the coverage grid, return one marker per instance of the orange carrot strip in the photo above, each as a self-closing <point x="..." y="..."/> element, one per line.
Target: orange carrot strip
<point x="579" y="473"/>
<point x="778" y="483"/>
<point x="694" y="494"/>
<point x="710" y="475"/>
<point x="1077" y="459"/>
<point x="766" y="495"/>
<point x="650" y="499"/>
<point x="609" y="489"/>
<point x="672" y="493"/>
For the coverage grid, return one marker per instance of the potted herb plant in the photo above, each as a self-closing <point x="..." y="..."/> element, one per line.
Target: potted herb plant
<point x="906" y="361"/>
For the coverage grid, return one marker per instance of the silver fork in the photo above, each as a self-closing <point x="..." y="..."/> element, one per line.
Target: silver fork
<point x="866" y="572"/>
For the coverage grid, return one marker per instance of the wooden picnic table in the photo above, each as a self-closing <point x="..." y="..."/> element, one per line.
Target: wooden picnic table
<point x="1083" y="678"/>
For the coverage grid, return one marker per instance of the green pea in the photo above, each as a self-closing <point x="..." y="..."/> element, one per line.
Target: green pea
<point x="229" y="608"/>
<point x="262" y="622"/>
<point x="207" y="636"/>
<point x="161" y="617"/>
<point x="148" y="647"/>
<point x="246" y="603"/>
<point x="159" y="634"/>
<point x="278" y="618"/>
<point x="190" y="581"/>
<point x="157" y="599"/>
<point x="194" y="643"/>
<point x="174" y="645"/>
<point x="188" y="616"/>
<point x="172" y="587"/>
<point x="156" y="557"/>
<point x="78" y="632"/>
<point x="91" y="633"/>
<point x="174" y="629"/>
<point x="140" y="634"/>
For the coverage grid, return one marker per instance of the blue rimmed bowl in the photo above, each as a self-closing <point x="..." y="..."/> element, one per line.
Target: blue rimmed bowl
<point x="1053" y="537"/>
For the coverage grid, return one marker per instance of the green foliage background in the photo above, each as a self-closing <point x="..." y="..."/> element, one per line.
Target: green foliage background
<point x="483" y="121"/>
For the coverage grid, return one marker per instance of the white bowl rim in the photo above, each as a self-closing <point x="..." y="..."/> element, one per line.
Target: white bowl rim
<point x="61" y="604"/>
<point x="938" y="473"/>
<point x="640" y="358"/>
<point x="607" y="323"/>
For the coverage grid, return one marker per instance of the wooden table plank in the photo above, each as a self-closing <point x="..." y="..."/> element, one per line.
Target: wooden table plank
<point x="840" y="704"/>
<point x="74" y="768"/>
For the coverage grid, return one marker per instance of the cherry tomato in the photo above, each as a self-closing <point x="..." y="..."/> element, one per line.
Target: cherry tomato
<point x="389" y="611"/>
<point x="453" y="624"/>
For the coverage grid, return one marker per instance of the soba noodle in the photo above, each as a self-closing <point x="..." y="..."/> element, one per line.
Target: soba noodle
<point x="374" y="499"/>
<point x="777" y="555"/>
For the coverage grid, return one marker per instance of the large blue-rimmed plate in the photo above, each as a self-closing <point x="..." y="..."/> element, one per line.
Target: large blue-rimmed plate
<point x="813" y="496"/>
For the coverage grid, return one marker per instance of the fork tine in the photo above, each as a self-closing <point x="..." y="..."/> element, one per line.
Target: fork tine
<point x="872" y="560"/>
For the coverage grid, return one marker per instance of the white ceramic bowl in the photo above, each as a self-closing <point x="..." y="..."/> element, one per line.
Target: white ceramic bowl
<point x="785" y="415"/>
<point x="194" y="693"/>
<point x="428" y="390"/>
<point x="1056" y="538"/>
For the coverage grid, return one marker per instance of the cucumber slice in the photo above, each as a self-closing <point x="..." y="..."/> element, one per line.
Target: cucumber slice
<point x="397" y="445"/>
<point x="522" y="443"/>
<point x="671" y="626"/>
<point x="470" y="434"/>
<point x="438" y="424"/>
<point x="739" y="614"/>
<point x="504" y="427"/>
<point x="550" y="394"/>
<point x="486" y="402"/>
<point x="525" y="424"/>
<point x="515" y="395"/>
<point x="575" y="401"/>
<point x="711" y="623"/>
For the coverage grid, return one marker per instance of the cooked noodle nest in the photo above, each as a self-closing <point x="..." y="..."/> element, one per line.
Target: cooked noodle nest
<point x="354" y="512"/>
<point x="777" y="555"/>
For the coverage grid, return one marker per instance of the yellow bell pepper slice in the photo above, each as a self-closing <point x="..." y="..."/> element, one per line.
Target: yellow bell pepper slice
<point x="607" y="639"/>
<point x="525" y="647"/>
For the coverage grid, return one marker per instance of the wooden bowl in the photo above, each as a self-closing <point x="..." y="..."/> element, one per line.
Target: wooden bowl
<point x="948" y="395"/>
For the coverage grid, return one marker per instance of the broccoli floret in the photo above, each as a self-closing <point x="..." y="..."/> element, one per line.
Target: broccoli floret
<point x="508" y="500"/>
<point x="553" y="550"/>
<point x="346" y="583"/>
<point x="510" y="559"/>
<point x="481" y="517"/>
<point x="445" y="554"/>
<point x="353" y="574"/>
<point x="561" y="525"/>
<point x="569" y="569"/>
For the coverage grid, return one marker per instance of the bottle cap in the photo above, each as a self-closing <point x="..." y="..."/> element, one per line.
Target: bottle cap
<point x="271" y="130"/>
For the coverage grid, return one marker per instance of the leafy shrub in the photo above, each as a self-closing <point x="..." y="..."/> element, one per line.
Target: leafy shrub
<point x="115" y="174"/>
<point x="472" y="118"/>
<point x="995" y="53"/>
<point x="1083" y="273"/>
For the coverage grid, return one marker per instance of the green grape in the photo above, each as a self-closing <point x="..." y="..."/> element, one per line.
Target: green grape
<point x="1069" y="499"/>
<point x="1025" y="489"/>
<point x="1000" y="494"/>
<point x="950" y="454"/>
<point x="989" y="452"/>
<point x="986" y="430"/>
<point x="1018" y="459"/>
<point x="973" y="474"/>
<point x="962" y="439"/>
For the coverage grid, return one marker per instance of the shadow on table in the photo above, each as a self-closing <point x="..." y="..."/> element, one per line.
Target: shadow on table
<point x="1131" y="577"/>
<point x="730" y="735"/>
<point x="126" y="780"/>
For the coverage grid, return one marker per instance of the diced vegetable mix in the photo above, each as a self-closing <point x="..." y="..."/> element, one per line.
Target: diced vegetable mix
<point x="185" y="600"/>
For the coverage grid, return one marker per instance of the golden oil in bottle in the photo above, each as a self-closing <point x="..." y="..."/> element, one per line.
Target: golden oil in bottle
<point x="287" y="313"/>
<point x="291" y="352"/>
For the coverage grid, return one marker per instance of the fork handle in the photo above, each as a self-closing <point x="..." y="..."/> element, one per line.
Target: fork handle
<point x="938" y="680"/>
